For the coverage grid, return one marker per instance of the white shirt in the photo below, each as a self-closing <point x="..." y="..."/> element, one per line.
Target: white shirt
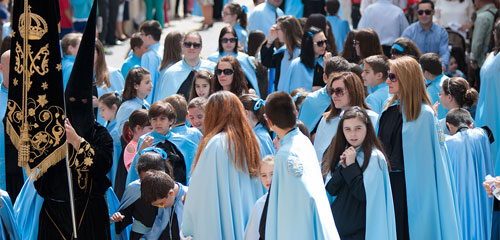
<point x="386" y="19"/>
<point x="447" y="12"/>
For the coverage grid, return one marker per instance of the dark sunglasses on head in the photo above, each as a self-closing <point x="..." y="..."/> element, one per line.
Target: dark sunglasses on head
<point x="321" y="43"/>
<point x="421" y="12"/>
<point x="227" y="71"/>
<point x="392" y="77"/>
<point x="189" y="44"/>
<point x="226" y="40"/>
<point x="339" y="92"/>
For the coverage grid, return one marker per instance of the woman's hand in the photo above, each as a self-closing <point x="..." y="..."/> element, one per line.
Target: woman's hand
<point x="117" y="217"/>
<point x="273" y="34"/>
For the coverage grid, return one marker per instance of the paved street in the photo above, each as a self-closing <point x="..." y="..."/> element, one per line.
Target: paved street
<point x="209" y="36"/>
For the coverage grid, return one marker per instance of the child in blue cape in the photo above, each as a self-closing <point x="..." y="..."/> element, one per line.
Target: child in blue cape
<point x="180" y="106"/>
<point x="179" y="149"/>
<point x="147" y="201"/>
<point x="266" y="176"/>
<point x="374" y="74"/>
<point x="360" y="180"/>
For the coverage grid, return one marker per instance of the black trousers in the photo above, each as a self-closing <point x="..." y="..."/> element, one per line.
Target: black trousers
<point x="398" y="185"/>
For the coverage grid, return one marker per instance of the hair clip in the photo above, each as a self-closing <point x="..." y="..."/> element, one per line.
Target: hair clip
<point x="310" y="34"/>
<point x="136" y="66"/>
<point x="117" y="93"/>
<point x="160" y="151"/>
<point x="244" y="8"/>
<point x="398" y="47"/>
<point x="258" y="103"/>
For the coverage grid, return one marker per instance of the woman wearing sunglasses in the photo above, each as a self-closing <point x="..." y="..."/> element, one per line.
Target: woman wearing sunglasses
<point x="179" y="77"/>
<point x="346" y="90"/>
<point x="288" y="32"/>
<point x="229" y="76"/>
<point x="306" y="71"/>
<point x="228" y="46"/>
<point x="420" y="179"/>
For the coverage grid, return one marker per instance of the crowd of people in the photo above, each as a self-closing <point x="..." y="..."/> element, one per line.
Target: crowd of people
<point x="361" y="119"/>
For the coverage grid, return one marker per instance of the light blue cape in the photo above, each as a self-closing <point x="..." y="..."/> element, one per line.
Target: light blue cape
<point x="184" y="145"/>
<point x="151" y="61"/>
<point x="380" y="220"/>
<point x="126" y="109"/>
<point x="294" y="8"/>
<point x="432" y="212"/>
<point x="298" y="207"/>
<point x="228" y="195"/>
<point x="7" y="217"/>
<point x="433" y="90"/>
<point x="299" y="76"/>
<point x="3" y="109"/>
<point x="488" y="108"/>
<point x="471" y="161"/>
<point x="283" y="83"/>
<point x="378" y="97"/>
<point x="313" y="108"/>
<point x="265" y="142"/>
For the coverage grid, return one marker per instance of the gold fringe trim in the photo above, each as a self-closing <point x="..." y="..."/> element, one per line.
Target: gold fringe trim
<point x="56" y="156"/>
<point x="52" y="159"/>
<point x="14" y="137"/>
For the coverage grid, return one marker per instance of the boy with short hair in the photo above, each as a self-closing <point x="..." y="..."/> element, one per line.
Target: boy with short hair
<point x="133" y="205"/>
<point x="298" y="185"/>
<point x="340" y="27"/>
<point x="375" y="69"/>
<point x="181" y="108"/>
<point x="155" y="202"/>
<point x="138" y="49"/>
<point x="196" y="112"/>
<point x="432" y="69"/>
<point x="150" y="35"/>
<point x="180" y="150"/>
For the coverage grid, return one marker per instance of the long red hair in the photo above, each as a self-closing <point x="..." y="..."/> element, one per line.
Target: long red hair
<point x="225" y="113"/>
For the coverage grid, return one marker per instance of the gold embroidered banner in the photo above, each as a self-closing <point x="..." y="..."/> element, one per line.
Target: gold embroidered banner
<point x="35" y="110"/>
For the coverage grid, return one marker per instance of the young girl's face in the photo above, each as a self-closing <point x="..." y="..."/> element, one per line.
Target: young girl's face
<point x="202" y="87"/>
<point x="266" y="174"/>
<point x="196" y="116"/>
<point x="228" y="42"/>
<point x="107" y="113"/>
<point x="452" y="65"/>
<point x="354" y="131"/>
<point x="141" y="130"/>
<point x="144" y="88"/>
<point x="161" y="124"/>
<point x="228" y="16"/>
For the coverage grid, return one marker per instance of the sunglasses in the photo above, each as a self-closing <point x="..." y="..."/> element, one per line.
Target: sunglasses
<point x="339" y="92"/>
<point x="421" y="12"/>
<point x="321" y="43"/>
<point x="392" y="77"/>
<point x="189" y="44"/>
<point x="227" y="71"/>
<point x="226" y="40"/>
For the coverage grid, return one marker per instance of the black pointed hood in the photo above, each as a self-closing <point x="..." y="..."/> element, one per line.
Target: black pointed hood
<point x="78" y="95"/>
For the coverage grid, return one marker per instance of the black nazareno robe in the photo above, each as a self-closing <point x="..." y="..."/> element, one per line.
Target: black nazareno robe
<point x="89" y="168"/>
